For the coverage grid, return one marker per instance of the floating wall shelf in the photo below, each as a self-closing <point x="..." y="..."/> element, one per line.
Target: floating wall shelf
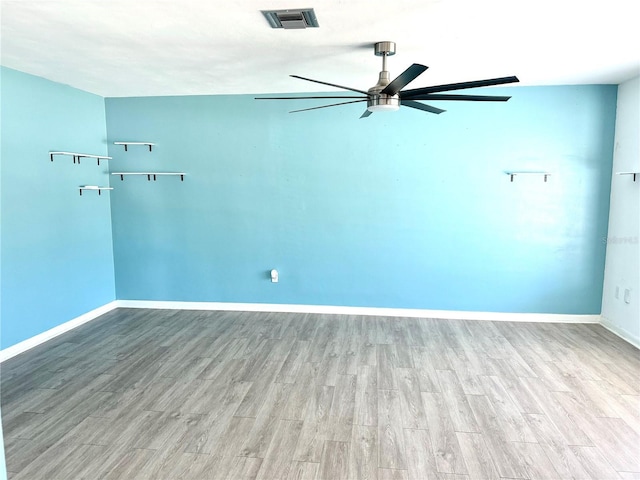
<point x="635" y="174"/>
<point x="150" y="174"/>
<point x="77" y="156"/>
<point x="93" y="187"/>
<point x="126" y="144"/>
<point x="544" y="174"/>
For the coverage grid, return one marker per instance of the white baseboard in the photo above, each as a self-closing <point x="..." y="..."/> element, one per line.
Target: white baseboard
<point x="372" y="311"/>
<point x="25" y="345"/>
<point x="623" y="334"/>
<point x="29" y="343"/>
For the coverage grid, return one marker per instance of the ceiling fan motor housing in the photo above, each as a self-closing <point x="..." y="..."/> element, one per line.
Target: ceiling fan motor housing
<point x="379" y="101"/>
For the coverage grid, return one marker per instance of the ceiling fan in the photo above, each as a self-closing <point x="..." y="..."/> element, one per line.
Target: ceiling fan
<point x="388" y="95"/>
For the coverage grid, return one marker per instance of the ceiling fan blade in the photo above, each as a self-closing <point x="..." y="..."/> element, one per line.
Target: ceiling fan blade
<point x="421" y="106"/>
<point x="326" y="106"/>
<point x="366" y="114"/>
<point x="472" y="98"/>
<point x="305" y="98"/>
<point x="402" y="80"/>
<point x="458" y="86"/>
<point x="330" y="84"/>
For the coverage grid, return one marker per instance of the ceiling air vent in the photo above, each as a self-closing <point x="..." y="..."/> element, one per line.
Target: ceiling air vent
<point x="293" y="18"/>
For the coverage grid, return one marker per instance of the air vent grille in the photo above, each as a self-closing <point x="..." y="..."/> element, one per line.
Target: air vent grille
<point x="291" y="19"/>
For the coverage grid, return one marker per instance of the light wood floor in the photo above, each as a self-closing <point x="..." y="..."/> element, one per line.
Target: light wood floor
<point x="223" y="395"/>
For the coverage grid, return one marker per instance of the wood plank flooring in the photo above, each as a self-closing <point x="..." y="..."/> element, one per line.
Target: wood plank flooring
<point x="159" y="394"/>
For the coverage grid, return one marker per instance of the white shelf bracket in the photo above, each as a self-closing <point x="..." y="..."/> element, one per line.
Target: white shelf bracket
<point x="634" y="174"/>
<point x="77" y="156"/>
<point x="93" y="187"/>
<point x="150" y="175"/>
<point x="545" y="175"/>
<point x="126" y="144"/>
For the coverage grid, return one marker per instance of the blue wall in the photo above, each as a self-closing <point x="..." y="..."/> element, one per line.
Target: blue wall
<point x="57" y="256"/>
<point x="403" y="209"/>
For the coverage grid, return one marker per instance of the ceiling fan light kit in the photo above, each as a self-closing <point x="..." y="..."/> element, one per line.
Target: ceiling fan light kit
<point x="383" y="104"/>
<point x="388" y="95"/>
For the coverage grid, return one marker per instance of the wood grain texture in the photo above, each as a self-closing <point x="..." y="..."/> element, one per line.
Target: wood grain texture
<point x="363" y="453"/>
<point x="366" y="404"/>
<point x="391" y="450"/>
<point x="413" y="414"/>
<point x="334" y="462"/>
<point x="142" y="394"/>
<point x="279" y="456"/>
<point x="302" y="471"/>
<point x="559" y="453"/>
<point x="476" y="455"/>
<point x="503" y="453"/>
<point x="391" y="474"/>
<point x="456" y="401"/>
<point x="421" y="462"/>
<point x="315" y="428"/>
<point x="443" y="436"/>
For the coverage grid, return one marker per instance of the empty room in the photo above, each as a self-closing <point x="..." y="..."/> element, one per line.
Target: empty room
<point x="344" y="240"/>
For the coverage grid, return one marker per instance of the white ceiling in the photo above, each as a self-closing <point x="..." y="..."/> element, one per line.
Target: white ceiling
<point x="168" y="47"/>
